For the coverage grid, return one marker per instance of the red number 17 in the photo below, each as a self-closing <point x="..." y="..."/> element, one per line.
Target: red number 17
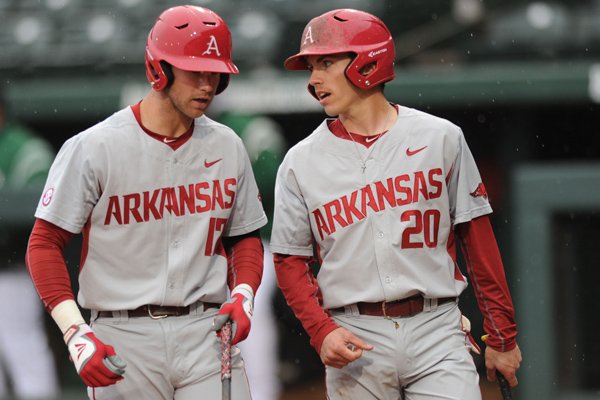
<point x="215" y="225"/>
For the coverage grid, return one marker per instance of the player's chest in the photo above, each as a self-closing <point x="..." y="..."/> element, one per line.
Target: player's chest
<point x="156" y="170"/>
<point x="404" y="171"/>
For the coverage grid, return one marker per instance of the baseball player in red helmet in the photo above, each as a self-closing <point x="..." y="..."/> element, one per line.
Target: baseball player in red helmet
<point x="378" y="193"/>
<point x="169" y="210"/>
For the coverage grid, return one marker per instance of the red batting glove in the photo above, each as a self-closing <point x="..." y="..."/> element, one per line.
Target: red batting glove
<point x="239" y="310"/>
<point x="96" y="363"/>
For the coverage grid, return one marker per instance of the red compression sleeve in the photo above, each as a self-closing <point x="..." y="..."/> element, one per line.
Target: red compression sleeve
<point x="485" y="268"/>
<point x="245" y="259"/>
<point x="46" y="264"/>
<point x="302" y="294"/>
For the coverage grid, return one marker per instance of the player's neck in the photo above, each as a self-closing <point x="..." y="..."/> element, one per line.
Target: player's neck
<point x="370" y="118"/>
<point x="158" y="115"/>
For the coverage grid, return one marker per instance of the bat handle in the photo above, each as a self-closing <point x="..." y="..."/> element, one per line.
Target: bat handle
<point x="226" y="389"/>
<point x="226" y="360"/>
<point x="504" y="386"/>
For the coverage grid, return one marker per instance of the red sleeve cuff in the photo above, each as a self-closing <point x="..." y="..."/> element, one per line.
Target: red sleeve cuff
<point x="316" y="340"/>
<point x="501" y="344"/>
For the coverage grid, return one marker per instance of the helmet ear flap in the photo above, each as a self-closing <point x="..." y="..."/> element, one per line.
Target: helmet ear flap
<point x="223" y="82"/>
<point x="159" y="73"/>
<point x="168" y="71"/>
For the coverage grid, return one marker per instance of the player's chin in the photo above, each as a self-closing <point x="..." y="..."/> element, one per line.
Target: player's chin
<point x="198" y="107"/>
<point x="331" y="111"/>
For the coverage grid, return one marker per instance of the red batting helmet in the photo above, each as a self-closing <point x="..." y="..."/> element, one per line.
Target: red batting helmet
<point x="192" y="39"/>
<point x="349" y="31"/>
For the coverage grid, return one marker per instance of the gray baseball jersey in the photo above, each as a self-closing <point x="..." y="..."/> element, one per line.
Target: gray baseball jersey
<point x="152" y="217"/>
<point x="381" y="231"/>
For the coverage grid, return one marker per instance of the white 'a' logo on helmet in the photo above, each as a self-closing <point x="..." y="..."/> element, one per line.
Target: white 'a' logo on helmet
<point x="212" y="45"/>
<point x="308" y="36"/>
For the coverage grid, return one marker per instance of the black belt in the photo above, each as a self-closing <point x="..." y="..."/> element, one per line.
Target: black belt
<point x="157" y="312"/>
<point x="398" y="308"/>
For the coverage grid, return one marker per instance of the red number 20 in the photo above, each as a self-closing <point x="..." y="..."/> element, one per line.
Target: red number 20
<point x="426" y="223"/>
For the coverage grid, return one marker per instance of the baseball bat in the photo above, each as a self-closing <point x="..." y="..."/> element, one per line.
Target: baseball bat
<point x="226" y="361"/>
<point x="504" y="386"/>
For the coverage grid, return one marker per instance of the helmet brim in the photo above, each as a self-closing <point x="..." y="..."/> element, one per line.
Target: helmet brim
<point x="298" y="62"/>
<point x="203" y="64"/>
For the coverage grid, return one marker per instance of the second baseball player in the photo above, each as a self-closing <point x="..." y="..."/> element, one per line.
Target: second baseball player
<point x="378" y="193"/>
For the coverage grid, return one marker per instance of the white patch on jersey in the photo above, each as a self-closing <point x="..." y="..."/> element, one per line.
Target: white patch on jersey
<point x="212" y="45"/>
<point x="308" y="36"/>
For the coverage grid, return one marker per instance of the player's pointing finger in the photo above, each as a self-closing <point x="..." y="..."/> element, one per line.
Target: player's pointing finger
<point x="355" y="343"/>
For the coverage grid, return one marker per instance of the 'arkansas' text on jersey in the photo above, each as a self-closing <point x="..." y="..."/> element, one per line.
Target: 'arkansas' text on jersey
<point x="181" y="200"/>
<point x="397" y="191"/>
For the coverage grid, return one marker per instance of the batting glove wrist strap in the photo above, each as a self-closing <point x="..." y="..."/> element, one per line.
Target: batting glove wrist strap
<point x="245" y="290"/>
<point x="76" y="331"/>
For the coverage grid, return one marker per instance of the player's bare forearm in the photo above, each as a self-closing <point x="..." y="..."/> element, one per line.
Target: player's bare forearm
<point x="340" y="347"/>
<point x="507" y="363"/>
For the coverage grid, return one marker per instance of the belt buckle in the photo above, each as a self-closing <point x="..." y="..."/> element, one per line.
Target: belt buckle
<point x="161" y="316"/>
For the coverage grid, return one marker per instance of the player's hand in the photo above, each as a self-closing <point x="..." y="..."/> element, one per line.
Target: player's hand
<point x="97" y="363"/>
<point x="507" y="363"/>
<point x="340" y="347"/>
<point x="466" y="328"/>
<point x="239" y="310"/>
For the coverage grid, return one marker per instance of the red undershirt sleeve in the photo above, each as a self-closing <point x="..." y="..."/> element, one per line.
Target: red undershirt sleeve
<point x="46" y="264"/>
<point x="245" y="262"/>
<point x="486" y="272"/>
<point x="302" y="293"/>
